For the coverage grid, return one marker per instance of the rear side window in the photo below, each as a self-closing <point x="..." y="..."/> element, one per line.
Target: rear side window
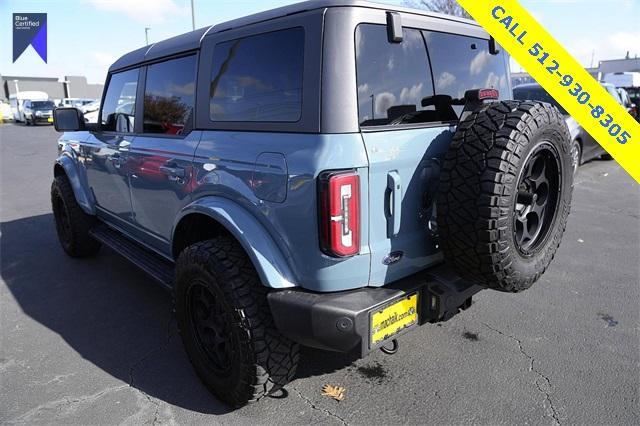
<point x="169" y="96"/>
<point x="118" y="110"/>
<point x="258" y="78"/>
<point x="463" y="63"/>
<point x="393" y="78"/>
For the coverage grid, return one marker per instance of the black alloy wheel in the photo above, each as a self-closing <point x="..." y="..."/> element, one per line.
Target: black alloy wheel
<point x="211" y="321"/>
<point x="537" y="200"/>
<point x="63" y="222"/>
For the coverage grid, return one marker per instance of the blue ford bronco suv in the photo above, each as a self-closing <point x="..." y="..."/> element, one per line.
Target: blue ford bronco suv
<point x="332" y="173"/>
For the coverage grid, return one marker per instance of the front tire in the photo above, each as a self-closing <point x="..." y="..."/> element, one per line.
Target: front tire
<point x="226" y="325"/>
<point x="72" y="223"/>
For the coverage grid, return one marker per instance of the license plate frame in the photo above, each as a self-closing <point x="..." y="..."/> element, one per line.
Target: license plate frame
<point x="389" y="312"/>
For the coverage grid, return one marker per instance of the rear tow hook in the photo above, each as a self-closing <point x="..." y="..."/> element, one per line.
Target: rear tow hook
<point x="394" y="348"/>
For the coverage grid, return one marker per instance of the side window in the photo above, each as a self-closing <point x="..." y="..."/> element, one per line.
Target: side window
<point x="258" y="78"/>
<point x="393" y="78"/>
<point x="463" y="63"/>
<point x="119" y="106"/>
<point x="169" y="95"/>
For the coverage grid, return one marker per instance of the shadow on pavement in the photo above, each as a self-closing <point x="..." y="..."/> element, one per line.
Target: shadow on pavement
<point x="113" y="315"/>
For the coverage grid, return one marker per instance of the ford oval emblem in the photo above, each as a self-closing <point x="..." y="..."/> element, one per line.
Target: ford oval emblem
<point x="393" y="257"/>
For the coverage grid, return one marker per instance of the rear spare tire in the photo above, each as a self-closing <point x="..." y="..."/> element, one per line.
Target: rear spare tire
<point x="505" y="193"/>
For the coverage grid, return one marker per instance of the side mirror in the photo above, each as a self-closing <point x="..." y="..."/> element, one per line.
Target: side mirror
<point x="68" y="120"/>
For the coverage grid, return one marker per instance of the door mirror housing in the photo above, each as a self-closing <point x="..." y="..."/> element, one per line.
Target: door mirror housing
<point x="68" y="120"/>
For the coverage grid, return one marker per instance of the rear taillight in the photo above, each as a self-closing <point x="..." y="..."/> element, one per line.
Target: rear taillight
<point x="340" y="213"/>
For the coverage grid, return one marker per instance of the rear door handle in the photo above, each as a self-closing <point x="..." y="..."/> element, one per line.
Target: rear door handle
<point x="394" y="191"/>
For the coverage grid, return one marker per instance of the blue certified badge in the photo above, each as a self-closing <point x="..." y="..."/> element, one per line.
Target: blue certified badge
<point x="30" y="29"/>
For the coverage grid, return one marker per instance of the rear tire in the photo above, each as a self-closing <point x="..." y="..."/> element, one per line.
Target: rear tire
<point x="72" y="223"/>
<point x="226" y="324"/>
<point x="505" y="193"/>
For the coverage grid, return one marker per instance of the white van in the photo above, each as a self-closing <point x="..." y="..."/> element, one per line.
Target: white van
<point x="17" y="102"/>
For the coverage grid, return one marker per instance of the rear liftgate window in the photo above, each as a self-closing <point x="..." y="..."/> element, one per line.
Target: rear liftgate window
<point x="258" y="78"/>
<point x="395" y="83"/>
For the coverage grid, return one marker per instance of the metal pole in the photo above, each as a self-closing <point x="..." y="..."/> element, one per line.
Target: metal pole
<point x="193" y="17"/>
<point x="17" y="88"/>
<point x="373" y="101"/>
<point x="146" y="34"/>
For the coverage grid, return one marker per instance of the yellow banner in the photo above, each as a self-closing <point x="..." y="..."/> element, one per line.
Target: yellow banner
<point x="563" y="77"/>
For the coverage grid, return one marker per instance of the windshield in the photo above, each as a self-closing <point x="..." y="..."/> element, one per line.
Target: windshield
<point x="42" y="105"/>
<point x="536" y="94"/>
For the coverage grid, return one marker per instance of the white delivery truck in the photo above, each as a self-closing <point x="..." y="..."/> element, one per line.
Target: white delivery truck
<point x="17" y="101"/>
<point x="623" y="79"/>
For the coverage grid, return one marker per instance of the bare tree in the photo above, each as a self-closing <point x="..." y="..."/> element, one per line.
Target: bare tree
<point x="449" y="7"/>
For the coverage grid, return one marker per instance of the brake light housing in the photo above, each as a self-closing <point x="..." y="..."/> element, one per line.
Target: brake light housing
<point x="339" y="212"/>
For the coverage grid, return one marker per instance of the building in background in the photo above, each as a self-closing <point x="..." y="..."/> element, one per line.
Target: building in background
<point x="604" y="67"/>
<point x="69" y="87"/>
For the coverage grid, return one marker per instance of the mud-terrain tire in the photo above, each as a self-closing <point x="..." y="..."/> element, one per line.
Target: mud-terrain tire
<point x="505" y="193"/>
<point x="72" y="223"/>
<point x="226" y="325"/>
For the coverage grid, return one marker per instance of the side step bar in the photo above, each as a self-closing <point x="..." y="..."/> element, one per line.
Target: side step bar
<point x="153" y="264"/>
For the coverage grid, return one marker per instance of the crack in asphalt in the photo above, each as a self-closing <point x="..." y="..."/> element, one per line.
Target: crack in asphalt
<point x="554" y="411"/>
<point x="142" y="360"/>
<point x="65" y="402"/>
<point x="323" y="410"/>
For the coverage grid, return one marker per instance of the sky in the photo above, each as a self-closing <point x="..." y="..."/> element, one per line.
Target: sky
<point x="86" y="36"/>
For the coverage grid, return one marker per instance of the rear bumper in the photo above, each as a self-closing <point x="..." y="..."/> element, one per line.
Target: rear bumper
<point x="341" y="321"/>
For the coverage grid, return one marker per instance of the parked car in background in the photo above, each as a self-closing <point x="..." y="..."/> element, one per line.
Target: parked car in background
<point x="38" y="112"/>
<point x="74" y="102"/>
<point x="90" y="111"/>
<point x="630" y="82"/>
<point x="583" y="146"/>
<point x="631" y="107"/>
<point x="5" y="112"/>
<point x="90" y="106"/>
<point x="17" y="101"/>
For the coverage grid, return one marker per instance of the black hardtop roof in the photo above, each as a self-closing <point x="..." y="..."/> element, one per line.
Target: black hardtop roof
<point x="191" y="40"/>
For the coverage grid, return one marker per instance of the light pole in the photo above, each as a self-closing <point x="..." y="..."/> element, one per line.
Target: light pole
<point x="67" y="86"/>
<point x="146" y="34"/>
<point x="193" y="17"/>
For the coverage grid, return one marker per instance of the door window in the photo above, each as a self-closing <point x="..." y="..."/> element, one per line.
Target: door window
<point x="119" y="106"/>
<point x="169" y="96"/>
<point x="258" y="78"/>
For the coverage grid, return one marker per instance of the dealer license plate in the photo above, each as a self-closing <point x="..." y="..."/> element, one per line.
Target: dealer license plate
<point x="394" y="318"/>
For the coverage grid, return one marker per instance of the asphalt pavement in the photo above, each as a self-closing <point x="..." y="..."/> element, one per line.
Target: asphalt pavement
<point x="93" y="341"/>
